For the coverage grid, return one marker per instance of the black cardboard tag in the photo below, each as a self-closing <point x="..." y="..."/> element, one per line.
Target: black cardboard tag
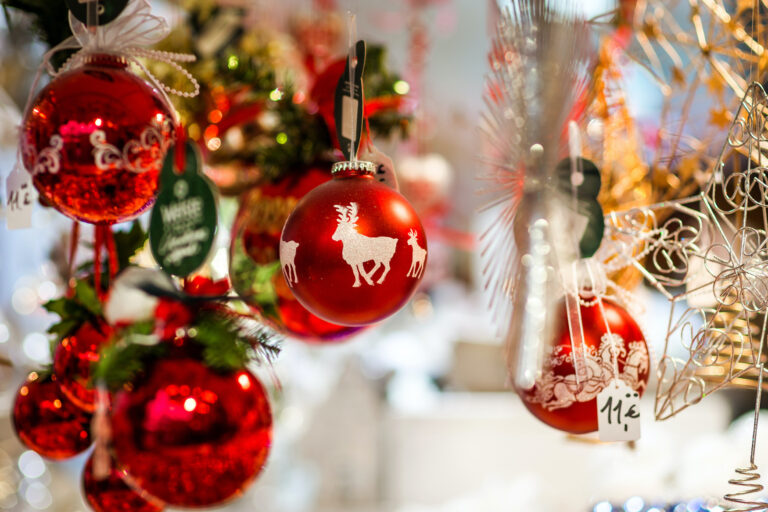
<point x="108" y="9"/>
<point x="348" y="107"/>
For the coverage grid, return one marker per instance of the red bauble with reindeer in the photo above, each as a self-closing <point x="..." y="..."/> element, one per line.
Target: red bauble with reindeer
<point x="353" y="251"/>
<point x="255" y="264"/>
<point x="189" y="435"/>
<point x="94" y="140"/>
<point x="566" y="403"/>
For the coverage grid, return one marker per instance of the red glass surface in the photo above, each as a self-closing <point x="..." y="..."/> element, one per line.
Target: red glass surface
<point x="256" y="232"/>
<point x="325" y="279"/>
<point x="112" y="494"/>
<point x="581" y="416"/>
<point x="101" y="95"/>
<point x="73" y="360"/>
<point x="48" y="423"/>
<point x="190" y="436"/>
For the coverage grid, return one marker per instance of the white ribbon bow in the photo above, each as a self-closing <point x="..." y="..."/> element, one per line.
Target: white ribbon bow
<point x="127" y="35"/>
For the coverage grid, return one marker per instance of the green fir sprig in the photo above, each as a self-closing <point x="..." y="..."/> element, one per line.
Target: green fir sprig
<point x="226" y="340"/>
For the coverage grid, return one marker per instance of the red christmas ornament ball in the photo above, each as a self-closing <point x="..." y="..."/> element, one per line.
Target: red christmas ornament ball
<point x="353" y="250"/>
<point x="255" y="264"/>
<point x="73" y="359"/>
<point x="557" y="398"/>
<point x="112" y="494"/>
<point x="46" y="422"/>
<point x="94" y="141"/>
<point x="191" y="436"/>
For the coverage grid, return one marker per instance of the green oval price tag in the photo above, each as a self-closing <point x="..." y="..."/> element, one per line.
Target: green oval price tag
<point x="107" y="10"/>
<point x="183" y="221"/>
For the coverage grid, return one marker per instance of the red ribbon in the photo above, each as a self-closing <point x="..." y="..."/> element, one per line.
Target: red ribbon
<point x="103" y="238"/>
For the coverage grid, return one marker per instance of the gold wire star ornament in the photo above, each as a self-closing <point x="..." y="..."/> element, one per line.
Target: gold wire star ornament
<point x="716" y="245"/>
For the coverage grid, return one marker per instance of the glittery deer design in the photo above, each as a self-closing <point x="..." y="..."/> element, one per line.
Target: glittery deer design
<point x="419" y="255"/>
<point x="287" y="257"/>
<point x="359" y="249"/>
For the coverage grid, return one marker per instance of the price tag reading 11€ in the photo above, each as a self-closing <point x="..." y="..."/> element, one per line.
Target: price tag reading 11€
<point x="618" y="412"/>
<point x="183" y="221"/>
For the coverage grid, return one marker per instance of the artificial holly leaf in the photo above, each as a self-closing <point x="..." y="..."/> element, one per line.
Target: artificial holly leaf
<point x="128" y="243"/>
<point x="86" y="295"/>
<point x="65" y="327"/>
<point x="61" y="306"/>
<point x="587" y="192"/>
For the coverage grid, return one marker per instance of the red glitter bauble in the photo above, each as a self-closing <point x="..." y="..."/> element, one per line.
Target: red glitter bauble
<point x="73" y="359"/>
<point x="557" y="398"/>
<point x="47" y="422"/>
<point x="255" y="264"/>
<point x="112" y="494"/>
<point x="192" y="436"/>
<point x="353" y="251"/>
<point x="94" y="140"/>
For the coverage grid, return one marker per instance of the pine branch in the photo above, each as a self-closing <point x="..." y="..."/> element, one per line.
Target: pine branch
<point x="231" y="340"/>
<point x="122" y="362"/>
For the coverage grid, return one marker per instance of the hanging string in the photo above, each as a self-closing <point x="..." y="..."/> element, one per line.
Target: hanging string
<point x="98" y="241"/>
<point x="101" y="431"/>
<point x="180" y="155"/>
<point x="112" y="261"/>
<point x="74" y="241"/>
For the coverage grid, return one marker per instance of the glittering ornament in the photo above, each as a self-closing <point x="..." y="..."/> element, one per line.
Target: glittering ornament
<point x="189" y="435"/>
<point x="94" y="141"/>
<point x="563" y="401"/>
<point x="353" y="250"/>
<point x="73" y="359"/>
<point x="112" y="494"/>
<point x="48" y="423"/>
<point x="255" y="265"/>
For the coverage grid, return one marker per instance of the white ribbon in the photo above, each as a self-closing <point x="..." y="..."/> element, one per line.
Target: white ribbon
<point x="127" y="35"/>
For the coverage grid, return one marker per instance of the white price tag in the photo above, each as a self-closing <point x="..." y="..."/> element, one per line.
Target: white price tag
<point x="385" y="169"/>
<point x="20" y="200"/>
<point x="618" y="412"/>
<point x="349" y="118"/>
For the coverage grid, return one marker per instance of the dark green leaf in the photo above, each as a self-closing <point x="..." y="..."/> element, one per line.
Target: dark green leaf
<point x="128" y="243"/>
<point x="65" y="327"/>
<point x="86" y="295"/>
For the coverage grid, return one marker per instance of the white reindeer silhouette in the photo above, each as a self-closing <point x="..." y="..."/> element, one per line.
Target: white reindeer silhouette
<point x="419" y="255"/>
<point x="287" y="257"/>
<point x="359" y="249"/>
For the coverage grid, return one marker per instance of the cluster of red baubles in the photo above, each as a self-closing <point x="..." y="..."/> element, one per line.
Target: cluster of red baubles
<point x="183" y="435"/>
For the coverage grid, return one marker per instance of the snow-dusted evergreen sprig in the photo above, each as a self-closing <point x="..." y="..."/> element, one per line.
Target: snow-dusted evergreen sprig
<point x="540" y="68"/>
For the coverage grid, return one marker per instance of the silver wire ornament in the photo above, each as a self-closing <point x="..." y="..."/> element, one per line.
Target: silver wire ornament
<point x="539" y="59"/>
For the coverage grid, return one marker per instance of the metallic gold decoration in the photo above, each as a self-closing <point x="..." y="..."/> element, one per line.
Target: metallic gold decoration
<point x="721" y="256"/>
<point x="690" y="48"/>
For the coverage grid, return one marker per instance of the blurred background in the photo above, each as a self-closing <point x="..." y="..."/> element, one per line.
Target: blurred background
<point x="414" y="415"/>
